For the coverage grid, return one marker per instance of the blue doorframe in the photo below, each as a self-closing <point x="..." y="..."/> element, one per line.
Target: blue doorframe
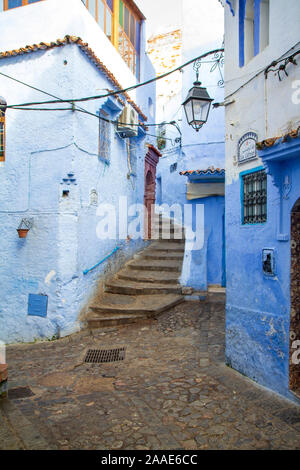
<point x="223" y="252"/>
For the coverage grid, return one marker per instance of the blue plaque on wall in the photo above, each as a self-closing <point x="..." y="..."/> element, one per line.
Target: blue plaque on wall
<point x="247" y="147"/>
<point x="37" y="305"/>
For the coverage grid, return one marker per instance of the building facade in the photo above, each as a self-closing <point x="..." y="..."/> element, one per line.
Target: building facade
<point x="61" y="167"/>
<point x="262" y="191"/>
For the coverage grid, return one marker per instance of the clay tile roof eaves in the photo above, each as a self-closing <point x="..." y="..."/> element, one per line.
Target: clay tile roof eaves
<point x="276" y="140"/>
<point x="150" y="146"/>
<point x="208" y="171"/>
<point x="86" y="49"/>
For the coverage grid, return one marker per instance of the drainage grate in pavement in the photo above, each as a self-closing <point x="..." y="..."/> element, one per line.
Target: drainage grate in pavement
<point x="20" y="392"/>
<point x="105" y="355"/>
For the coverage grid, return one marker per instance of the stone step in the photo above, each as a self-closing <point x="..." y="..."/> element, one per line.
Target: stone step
<point x="165" y="231"/>
<point x="168" y="227"/>
<point x="161" y="277"/>
<point x="161" y="255"/>
<point x="216" y="294"/>
<point x="155" y="265"/>
<point x="114" y="320"/>
<point x="161" y="245"/>
<point x="166" y="238"/>
<point x="147" y="305"/>
<point x="122" y="286"/>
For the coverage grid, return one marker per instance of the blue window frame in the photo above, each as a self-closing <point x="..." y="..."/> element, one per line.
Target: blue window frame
<point x="253" y="28"/>
<point x="254" y="196"/>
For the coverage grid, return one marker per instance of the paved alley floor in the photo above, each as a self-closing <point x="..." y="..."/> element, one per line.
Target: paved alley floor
<point x="172" y="391"/>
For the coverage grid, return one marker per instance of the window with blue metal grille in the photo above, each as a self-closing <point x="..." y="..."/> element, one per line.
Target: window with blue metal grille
<point x="255" y="197"/>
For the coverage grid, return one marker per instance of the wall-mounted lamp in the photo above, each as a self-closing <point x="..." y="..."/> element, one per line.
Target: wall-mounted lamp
<point x="24" y="227"/>
<point x="197" y="103"/>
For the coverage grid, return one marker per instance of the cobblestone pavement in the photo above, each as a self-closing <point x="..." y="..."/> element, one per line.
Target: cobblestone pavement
<point x="172" y="391"/>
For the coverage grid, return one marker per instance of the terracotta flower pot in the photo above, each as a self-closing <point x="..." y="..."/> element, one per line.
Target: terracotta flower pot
<point x="22" y="232"/>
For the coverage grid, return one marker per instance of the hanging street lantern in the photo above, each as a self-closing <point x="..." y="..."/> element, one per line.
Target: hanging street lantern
<point x="197" y="103"/>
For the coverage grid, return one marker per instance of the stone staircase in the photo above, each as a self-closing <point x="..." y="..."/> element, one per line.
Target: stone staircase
<point x="147" y="285"/>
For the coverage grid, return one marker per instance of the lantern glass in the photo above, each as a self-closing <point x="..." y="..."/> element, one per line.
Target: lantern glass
<point x="189" y="111"/>
<point x="197" y="106"/>
<point x="201" y="110"/>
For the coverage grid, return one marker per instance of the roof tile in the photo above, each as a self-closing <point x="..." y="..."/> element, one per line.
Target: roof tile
<point x="86" y="49"/>
<point x="276" y="140"/>
<point x="208" y="171"/>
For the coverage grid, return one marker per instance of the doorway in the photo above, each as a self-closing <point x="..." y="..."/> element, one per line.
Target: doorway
<point x="151" y="160"/>
<point x="295" y="300"/>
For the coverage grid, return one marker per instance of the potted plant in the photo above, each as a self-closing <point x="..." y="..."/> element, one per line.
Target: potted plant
<point x="24" y="228"/>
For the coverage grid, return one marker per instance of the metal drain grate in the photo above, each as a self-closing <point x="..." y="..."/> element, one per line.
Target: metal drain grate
<point x="97" y="356"/>
<point x="20" y="392"/>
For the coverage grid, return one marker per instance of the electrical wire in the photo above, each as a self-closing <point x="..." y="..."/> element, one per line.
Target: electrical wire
<point x="59" y="100"/>
<point x="174" y="150"/>
<point x="92" y="114"/>
<point x="124" y="90"/>
<point x="49" y="94"/>
<point x="265" y="70"/>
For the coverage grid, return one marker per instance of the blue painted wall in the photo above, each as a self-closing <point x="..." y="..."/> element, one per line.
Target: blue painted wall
<point x="204" y="267"/>
<point x="258" y="307"/>
<point x="42" y="148"/>
<point x="199" y="150"/>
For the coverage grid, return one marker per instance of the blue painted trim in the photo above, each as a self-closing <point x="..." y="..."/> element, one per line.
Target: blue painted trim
<point x="256" y="26"/>
<point x="229" y="2"/>
<point x="281" y="151"/>
<point x="223" y="251"/>
<point x="242" y="13"/>
<point x="102" y="261"/>
<point x="252" y="170"/>
<point x="199" y="180"/>
<point x="243" y="173"/>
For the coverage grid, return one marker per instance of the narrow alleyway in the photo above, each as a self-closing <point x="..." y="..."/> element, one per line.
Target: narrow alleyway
<point x="172" y="391"/>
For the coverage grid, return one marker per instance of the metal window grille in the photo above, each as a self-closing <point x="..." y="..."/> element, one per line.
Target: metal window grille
<point x="104" y="137"/>
<point x="255" y="197"/>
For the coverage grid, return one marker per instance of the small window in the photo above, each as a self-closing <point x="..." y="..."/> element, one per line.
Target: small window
<point x="104" y="136"/>
<point x="2" y="130"/>
<point x="254" y="18"/>
<point x="249" y="31"/>
<point x="264" y="24"/>
<point x="255" y="197"/>
<point x="102" y="11"/>
<point x="150" y="107"/>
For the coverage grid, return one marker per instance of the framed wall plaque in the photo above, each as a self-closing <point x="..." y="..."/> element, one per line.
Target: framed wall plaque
<point x="247" y="147"/>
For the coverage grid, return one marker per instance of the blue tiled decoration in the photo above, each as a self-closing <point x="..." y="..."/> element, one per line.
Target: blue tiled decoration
<point x="70" y="179"/>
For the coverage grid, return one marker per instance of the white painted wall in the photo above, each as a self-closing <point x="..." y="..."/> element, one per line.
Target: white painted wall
<point x="262" y="106"/>
<point x="49" y="20"/>
<point x="42" y="148"/>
